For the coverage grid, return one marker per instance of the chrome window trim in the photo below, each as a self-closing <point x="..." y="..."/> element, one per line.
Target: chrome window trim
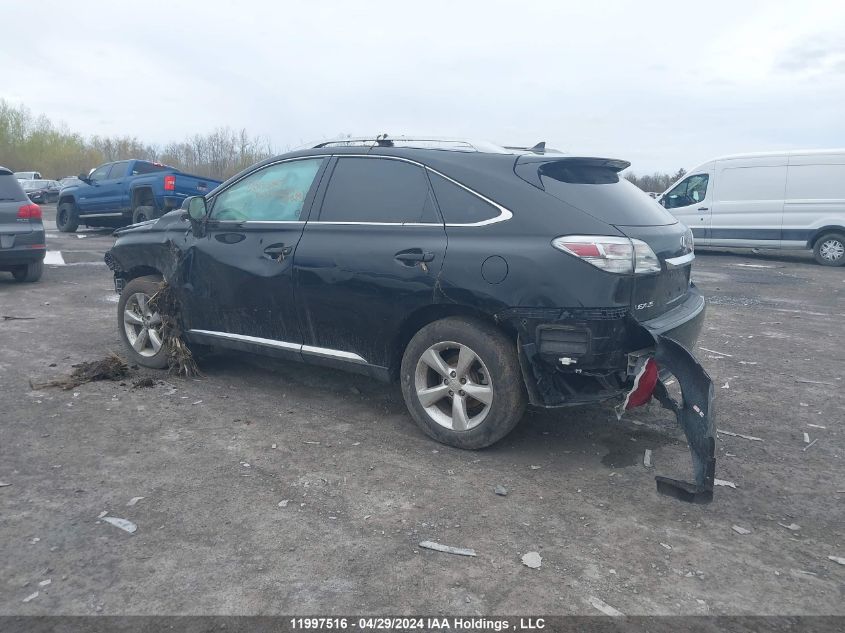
<point x="677" y="262"/>
<point x="297" y="347"/>
<point x="504" y="213"/>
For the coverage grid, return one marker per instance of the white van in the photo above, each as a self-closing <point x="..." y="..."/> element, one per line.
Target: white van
<point x="28" y="175"/>
<point x="787" y="200"/>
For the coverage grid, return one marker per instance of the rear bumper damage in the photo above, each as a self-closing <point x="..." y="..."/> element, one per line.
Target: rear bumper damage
<point x="598" y="355"/>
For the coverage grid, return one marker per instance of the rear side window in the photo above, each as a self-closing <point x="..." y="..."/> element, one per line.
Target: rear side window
<point x="143" y="167"/>
<point x="118" y="170"/>
<point x="378" y="190"/>
<point x="10" y="189"/>
<point x="273" y="194"/>
<point x="458" y="205"/>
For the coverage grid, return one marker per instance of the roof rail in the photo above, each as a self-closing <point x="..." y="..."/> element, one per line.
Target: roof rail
<point x="414" y="142"/>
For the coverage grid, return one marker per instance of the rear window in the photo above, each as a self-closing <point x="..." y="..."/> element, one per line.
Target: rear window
<point x="600" y="192"/>
<point x="10" y="189"/>
<point x="142" y="167"/>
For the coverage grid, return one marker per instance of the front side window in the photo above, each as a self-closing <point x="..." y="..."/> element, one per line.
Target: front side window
<point x="458" y="205"/>
<point x="101" y="173"/>
<point x="274" y="194"/>
<point x="691" y="190"/>
<point x="378" y="190"/>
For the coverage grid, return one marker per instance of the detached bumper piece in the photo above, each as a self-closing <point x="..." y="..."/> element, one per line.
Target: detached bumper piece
<point x="695" y="416"/>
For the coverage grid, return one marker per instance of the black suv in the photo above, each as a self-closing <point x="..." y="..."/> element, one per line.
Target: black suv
<point x="22" y="244"/>
<point x="480" y="278"/>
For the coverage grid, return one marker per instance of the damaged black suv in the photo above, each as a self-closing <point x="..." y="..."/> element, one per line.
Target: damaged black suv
<point x="481" y="278"/>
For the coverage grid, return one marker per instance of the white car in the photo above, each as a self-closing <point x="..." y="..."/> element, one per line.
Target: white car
<point x="780" y="200"/>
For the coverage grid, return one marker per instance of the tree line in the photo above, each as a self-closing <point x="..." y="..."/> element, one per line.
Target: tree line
<point x="656" y="182"/>
<point x="34" y="143"/>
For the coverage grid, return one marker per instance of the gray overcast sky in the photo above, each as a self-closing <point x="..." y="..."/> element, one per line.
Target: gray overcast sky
<point x="661" y="84"/>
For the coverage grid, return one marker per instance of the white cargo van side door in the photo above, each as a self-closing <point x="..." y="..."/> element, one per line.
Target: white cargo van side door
<point x="748" y="204"/>
<point x="815" y="197"/>
<point x="689" y="201"/>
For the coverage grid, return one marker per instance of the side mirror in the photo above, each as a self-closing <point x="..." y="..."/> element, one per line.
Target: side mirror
<point x="196" y="208"/>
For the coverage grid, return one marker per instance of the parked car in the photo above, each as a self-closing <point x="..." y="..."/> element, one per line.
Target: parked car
<point x="28" y="175"/>
<point x="126" y="192"/>
<point x="780" y="200"/>
<point x="561" y="283"/>
<point x="22" y="240"/>
<point x="42" y="191"/>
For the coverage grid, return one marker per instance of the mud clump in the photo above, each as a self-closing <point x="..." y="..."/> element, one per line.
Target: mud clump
<point x="180" y="360"/>
<point x="144" y="383"/>
<point x="112" y="367"/>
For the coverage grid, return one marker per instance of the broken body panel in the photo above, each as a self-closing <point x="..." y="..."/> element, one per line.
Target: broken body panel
<point x="338" y="296"/>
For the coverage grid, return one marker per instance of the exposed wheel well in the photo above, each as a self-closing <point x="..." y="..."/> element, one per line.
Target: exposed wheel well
<point x="143" y="197"/>
<point x="140" y="271"/>
<point x="64" y="199"/>
<point x="824" y="231"/>
<point x="423" y="317"/>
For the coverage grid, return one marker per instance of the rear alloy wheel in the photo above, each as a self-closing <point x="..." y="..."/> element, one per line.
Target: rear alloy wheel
<point x="140" y="327"/>
<point x="461" y="382"/>
<point x="142" y="214"/>
<point x="30" y="272"/>
<point x="830" y="250"/>
<point x="66" y="220"/>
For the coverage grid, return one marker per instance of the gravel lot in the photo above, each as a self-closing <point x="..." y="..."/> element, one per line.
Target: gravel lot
<point x="364" y="486"/>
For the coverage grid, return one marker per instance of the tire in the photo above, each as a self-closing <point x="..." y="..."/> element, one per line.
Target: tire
<point x="146" y="350"/>
<point x="493" y="374"/>
<point x="66" y="218"/>
<point x="142" y="214"/>
<point x="29" y="272"/>
<point x="829" y="249"/>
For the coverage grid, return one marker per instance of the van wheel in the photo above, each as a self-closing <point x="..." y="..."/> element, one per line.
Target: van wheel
<point x="66" y="219"/>
<point x="462" y="383"/>
<point x="30" y="272"/>
<point x="829" y="249"/>
<point x="142" y="214"/>
<point x="140" y="327"/>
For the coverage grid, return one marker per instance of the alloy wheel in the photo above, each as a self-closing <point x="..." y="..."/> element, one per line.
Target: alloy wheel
<point x="453" y="386"/>
<point x="142" y="325"/>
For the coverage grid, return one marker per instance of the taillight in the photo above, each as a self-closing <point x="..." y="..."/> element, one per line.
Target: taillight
<point x="170" y="183"/>
<point x="619" y="255"/>
<point x="29" y="212"/>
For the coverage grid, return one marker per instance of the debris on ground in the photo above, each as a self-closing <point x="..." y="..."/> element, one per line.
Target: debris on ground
<point x="792" y="527"/>
<point x="180" y="359"/>
<point x="284" y="503"/>
<point x="666" y="546"/>
<point x="31" y="596"/>
<point x="3" y="484"/>
<point x="112" y="367"/>
<point x="134" y="500"/>
<point x="647" y="458"/>
<point x="17" y="318"/>
<point x="806" y="437"/>
<point x="814" y="382"/>
<point x="123" y="524"/>
<point x="745" y="437"/>
<point x="532" y="560"/>
<point x="448" y="549"/>
<point x="273" y="446"/>
<point x="837" y="559"/>
<point x="605" y="608"/>
<point x="817" y="426"/>
<point x="501" y="491"/>
<point x="740" y="530"/>
<point x="46" y="582"/>
<point x="144" y="383"/>
<point x="724" y="482"/>
<point x="536" y="467"/>
<point x="713" y="351"/>
<point x="810" y="444"/>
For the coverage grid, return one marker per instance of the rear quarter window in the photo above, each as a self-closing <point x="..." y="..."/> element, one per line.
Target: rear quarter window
<point x="10" y="189"/>
<point x="458" y="205"/>
<point x="143" y="167"/>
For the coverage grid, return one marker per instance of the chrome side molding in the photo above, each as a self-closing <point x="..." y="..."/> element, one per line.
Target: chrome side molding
<point x="324" y="352"/>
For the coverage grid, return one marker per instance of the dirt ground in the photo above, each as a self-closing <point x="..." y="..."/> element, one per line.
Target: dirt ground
<point x="364" y="486"/>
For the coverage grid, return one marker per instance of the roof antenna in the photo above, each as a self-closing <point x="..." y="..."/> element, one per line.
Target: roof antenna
<point x="383" y="141"/>
<point x="539" y="148"/>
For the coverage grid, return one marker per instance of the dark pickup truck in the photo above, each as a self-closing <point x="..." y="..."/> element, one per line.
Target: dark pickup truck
<point x="126" y="192"/>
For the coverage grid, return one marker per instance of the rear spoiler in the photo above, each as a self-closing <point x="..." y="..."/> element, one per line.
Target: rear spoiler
<point x="530" y="167"/>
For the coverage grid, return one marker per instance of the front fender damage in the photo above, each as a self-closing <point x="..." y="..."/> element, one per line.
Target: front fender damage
<point x="694" y="414"/>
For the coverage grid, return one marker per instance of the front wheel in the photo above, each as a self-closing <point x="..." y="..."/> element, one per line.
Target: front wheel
<point x="66" y="218"/>
<point x="830" y="250"/>
<point x="462" y="383"/>
<point x="140" y="328"/>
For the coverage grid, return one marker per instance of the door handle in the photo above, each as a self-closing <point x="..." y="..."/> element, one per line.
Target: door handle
<point x="703" y="209"/>
<point x="414" y="256"/>
<point x="278" y="251"/>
